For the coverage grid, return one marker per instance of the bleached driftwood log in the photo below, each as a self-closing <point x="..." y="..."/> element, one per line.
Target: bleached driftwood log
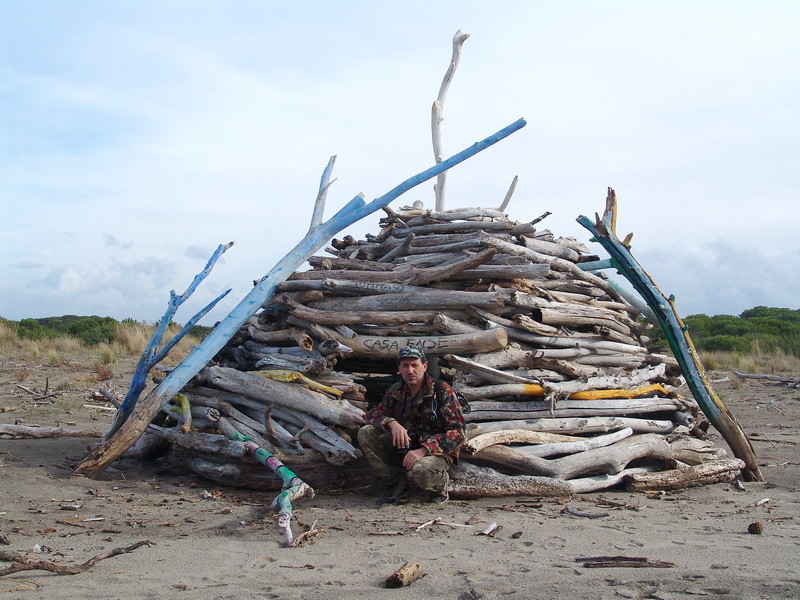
<point x="555" y="263"/>
<point x="570" y="426"/>
<point x="420" y="299"/>
<point x="609" y="386"/>
<point x="610" y="459"/>
<point x="585" y="485"/>
<point x="382" y="317"/>
<point x="488" y="411"/>
<point x="35" y="432"/>
<point x="792" y="381"/>
<point x="195" y="441"/>
<point x="703" y="474"/>
<point x="470" y="481"/>
<point x="694" y="451"/>
<point x="383" y="347"/>
<point x="486" y="372"/>
<point x="284" y="337"/>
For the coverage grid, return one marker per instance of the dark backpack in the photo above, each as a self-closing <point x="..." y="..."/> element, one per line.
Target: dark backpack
<point x="437" y="393"/>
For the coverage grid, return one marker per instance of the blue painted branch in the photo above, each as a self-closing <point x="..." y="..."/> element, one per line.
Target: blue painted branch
<point x="355" y="210"/>
<point x="150" y="358"/>
<point x="677" y="336"/>
<point x="162" y="354"/>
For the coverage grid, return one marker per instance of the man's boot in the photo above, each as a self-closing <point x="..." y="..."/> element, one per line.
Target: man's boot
<point x="396" y="490"/>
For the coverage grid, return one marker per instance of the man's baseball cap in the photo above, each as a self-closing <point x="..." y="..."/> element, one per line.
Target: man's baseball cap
<point x="411" y="352"/>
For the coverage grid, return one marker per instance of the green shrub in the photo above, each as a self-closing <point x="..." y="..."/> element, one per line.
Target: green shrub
<point x="93" y="330"/>
<point x="762" y="329"/>
<point x="32" y="329"/>
<point x="725" y="343"/>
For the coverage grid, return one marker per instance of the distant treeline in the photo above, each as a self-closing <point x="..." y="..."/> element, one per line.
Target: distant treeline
<point x="761" y="328"/>
<point x="90" y="330"/>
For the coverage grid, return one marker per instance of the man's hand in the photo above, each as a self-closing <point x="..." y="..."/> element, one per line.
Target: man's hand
<point x="413" y="456"/>
<point x="400" y="437"/>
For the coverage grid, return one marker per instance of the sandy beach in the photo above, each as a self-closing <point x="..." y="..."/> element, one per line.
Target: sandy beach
<point x="210" y="542"/>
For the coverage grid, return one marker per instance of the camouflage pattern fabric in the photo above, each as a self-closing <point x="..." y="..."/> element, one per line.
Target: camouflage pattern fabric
<point x="441" y="434"/>
<point x="429" y="473"/>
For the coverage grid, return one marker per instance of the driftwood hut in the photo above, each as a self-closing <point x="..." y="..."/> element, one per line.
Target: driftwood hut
<point x="565" y="395"/>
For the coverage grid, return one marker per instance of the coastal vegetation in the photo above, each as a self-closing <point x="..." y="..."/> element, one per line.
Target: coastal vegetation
<point x="59" y="340"/>
<point x="760" y="339"/>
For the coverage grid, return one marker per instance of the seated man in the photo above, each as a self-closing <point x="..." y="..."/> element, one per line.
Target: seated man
<point x="412" y="436"/>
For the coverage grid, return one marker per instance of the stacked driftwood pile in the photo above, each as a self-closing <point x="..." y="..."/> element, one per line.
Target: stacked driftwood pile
<point x="565" y="395"/>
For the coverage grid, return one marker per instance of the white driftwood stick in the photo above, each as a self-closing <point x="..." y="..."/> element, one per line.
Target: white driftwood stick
<point x="602" y="406"/>
<point x="515" y="436"/>
<point x="488" y="373"/>
<point x="557" y="448"/>
<point x="574" y="425"/>
<point x="419" y="299"/>
<point x="436" y="115"/>
<point x="322" y="194"/>
<point x="510" y="227"/>
<point x="509" y="193"/>
<point x="562" y="296"/>
<point x="609" y="382"/>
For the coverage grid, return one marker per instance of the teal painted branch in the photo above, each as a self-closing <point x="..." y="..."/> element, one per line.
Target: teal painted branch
<point x="355" y="210"/>
<point x="293" y="486"/>
<point x="631" y="298"/>
<point x="676" y="333"/>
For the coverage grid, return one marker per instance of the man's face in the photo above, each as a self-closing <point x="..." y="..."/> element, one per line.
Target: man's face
<point x="412" y="370"/>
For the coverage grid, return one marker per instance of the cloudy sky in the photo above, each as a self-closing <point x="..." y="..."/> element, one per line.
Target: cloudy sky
<point x="136" y="136"/>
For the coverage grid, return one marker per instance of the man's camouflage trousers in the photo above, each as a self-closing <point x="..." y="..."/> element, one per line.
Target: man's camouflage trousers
<point x="429" y="473"/>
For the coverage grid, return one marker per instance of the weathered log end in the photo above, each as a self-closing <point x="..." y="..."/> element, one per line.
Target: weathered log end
<point x="405" y="575"/>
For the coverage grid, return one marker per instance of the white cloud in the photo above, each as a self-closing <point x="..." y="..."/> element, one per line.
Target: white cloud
<point x="175" y="130"/>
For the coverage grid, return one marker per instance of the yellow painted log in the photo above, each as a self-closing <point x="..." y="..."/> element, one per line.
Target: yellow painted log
<point x="531" y="389"/>
<point x="287" y="376"/>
